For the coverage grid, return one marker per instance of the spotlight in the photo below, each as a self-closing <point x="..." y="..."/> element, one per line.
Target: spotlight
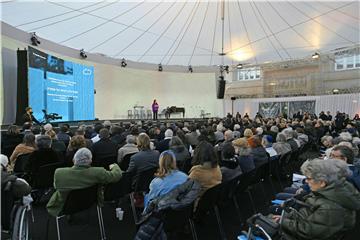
<point x="335" y="91"/>
<point x="315" y="56"/>
<point x="239" y="66"/>
<point x="83" y="54"/>
<point x="190" y="69"/>
<point x="123" y="62"/>
<point x="160" y="68"/>
<point x="34" y="39"/>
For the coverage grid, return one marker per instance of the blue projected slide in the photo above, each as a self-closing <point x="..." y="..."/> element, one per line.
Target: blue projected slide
<point x="61" y="87"/>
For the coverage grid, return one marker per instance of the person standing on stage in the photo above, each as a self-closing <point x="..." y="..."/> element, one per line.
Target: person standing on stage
<point x="155" y="108"/>
<point x="29" y="117"/>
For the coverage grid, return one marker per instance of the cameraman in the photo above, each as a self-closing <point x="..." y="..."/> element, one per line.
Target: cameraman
<point x="29" y="117"/>
<point x="329" y="210"/>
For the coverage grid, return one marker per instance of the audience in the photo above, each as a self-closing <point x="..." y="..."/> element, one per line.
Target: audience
<point x="164" y="144"/>
<point x="56" y="145"/>
<point x="181" y="153"/>
<point x="245" y="159"/>
<point x="81" y="175"/>
<point x="104" y="148"/>
<point x="27" y="147"/>
<point x="281" y="146"/>
<point x="145" y="159"/>
<point x="129" y="148"/>
<point x="205" y="168"/>
<point x="230" y="167"/>
<point x="10" y="139"/>
<point x="258" y="151"/>
<point x="267" y="144"/>
<point x="166" y="178"/>
<point x="76" y="142"/>
<point x="63" y="134"/>
<point x="330" y="207"/>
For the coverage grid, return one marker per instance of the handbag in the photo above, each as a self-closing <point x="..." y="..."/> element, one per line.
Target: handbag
<point x="264" y="227"/>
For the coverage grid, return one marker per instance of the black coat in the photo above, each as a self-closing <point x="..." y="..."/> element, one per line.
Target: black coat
<point x="163" y="145"/>
<point x="151" y="225"/>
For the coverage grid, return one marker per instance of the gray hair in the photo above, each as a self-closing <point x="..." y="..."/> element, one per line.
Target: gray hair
<point x="274" y="129"/>
<point x="326" y="138"/>
<point x="43" y="141"/>
<point x="288" y="133"/>
<point x="281" y="137"/>
<point x="176" y="141"/>
<point x="345" y="136"/>
<point x="131" y="139"/>
<point x="330" y="171"/>
<point x="228" y="135"/>
<point x="82" y="157"/>
<point x="169" y="133"/>
<point x="104" y="133"/>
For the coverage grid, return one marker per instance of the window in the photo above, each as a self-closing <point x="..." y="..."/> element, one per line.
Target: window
<point x="347" y="62"/>
<point x="249" y="74"/>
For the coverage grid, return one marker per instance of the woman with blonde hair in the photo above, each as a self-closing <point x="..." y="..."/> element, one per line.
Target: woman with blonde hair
<point x="167" y="177"/>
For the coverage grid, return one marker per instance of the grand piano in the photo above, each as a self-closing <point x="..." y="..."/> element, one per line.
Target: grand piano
<point x="173" y="109"/>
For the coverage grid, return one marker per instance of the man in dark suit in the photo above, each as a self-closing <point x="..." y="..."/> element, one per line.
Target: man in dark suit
<point x="145" y="159"/>
<point x="163" y="145"/>
<point x="104" y="148"/>
<point x="29" y="117"/>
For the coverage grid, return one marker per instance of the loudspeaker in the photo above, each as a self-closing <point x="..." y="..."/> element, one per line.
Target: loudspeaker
<point x="221" y="87"/>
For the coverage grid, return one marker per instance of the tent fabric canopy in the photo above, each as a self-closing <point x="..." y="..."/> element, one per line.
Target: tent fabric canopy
<point x="192" y="32"/>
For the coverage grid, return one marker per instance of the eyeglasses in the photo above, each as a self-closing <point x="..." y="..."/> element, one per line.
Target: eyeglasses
<point x="308" y="178"/>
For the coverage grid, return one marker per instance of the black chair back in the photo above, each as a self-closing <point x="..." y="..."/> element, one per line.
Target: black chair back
<point x="244" y="181"/>
<point x="44" y="177"/>
<point x="80" y="199"/>
<point x="143" y="180"/>
<point x="208" y="200"/>
<point x="124" y="164"/>
<point x="114" y="191"/>
<point x="175" y="220"/>
<point x="21" y="162"/>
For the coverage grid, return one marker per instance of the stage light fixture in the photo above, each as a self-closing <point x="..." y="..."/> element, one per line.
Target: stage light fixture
<point x="160" y="68"/>
<point x="190" y="69"/>
<point x="83" y="54"/>
<point x="315" y="56"/>
<point x="239" y="66"/>
<point x="34" y="39"/>
<point x="123" y="62"/>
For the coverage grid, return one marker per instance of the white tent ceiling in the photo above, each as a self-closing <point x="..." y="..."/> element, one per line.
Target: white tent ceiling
<point x="190" y="32"/>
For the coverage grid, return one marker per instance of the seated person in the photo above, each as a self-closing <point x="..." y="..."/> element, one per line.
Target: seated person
<point x="181" y="153"/>
<point x="205" y="168"/>
<point x="164" y="144"/>
<point x="230" y="167"/>
<point x="28" y="146"/>
<point x="80" y="176"/>
<point x="104" y="148"/>
<point x="42" y="156"/>
<point x="281" y="146"/>
<point x="56" y="145"/>
<point x="332" y="203"/>
<point x="12" y="188"/>
<point x="245" y="159"/>
<point x="145" y="159"/>
<point x="258" y="151"/>
<point x="10" y="139"/>
<point x="267" y="144"/>
<point x="167" y="177"/>
<point x="129" y="148"/>
<point x="76" y="142"/>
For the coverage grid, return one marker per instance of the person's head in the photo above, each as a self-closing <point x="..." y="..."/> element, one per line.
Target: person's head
<point x="280" y="138"/>
<point x="176" y="142"/>
<point x="98" y="127"/>
<point x="115" y="130"/>
<point x="13" y="130"/>
<point x="248" y="133"/>
<point x="51" y="134"/>
<point x="342" y="153"/>
<point x="154" y="101"/>
<point x="29" y="140"/>
<point x="130" y="139"/>
<point x="167" y="163"/>
<point x="205" y="154"/>
<point x="77" y="142"/>
<point x="48" y="127"/>
<point x="288" y="133"/>
<point x="64" y="128"/>
<point x="320" y="173"/>
<point x="228" y="135"/>
<point x="254" y="141"/>
<point x="169" y="133"/>
<point x="345" y="136"/>
<point x="274" y="129"/>
<point x="4" y="160"/>
<point x="267" y="141"/>
<point x="236" y="127"/>
<point x="104" y="133"/>
<point x="107" y="124"/>
<point x="259" y="131"/>
<point x="28" y="110"/>
<point x="36" y="129"/>
<point x="327" y="141"/>
<point x="43" y="141"/>
<point x="228" y="151"/>
<point x="143" y="141"/>
<point x="82" y="157"/>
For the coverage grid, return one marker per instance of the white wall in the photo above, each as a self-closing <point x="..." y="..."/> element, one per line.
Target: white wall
<point x="348" y="103"/>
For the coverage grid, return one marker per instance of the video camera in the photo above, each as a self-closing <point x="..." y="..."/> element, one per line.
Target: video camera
<point x="51" y="116"/>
